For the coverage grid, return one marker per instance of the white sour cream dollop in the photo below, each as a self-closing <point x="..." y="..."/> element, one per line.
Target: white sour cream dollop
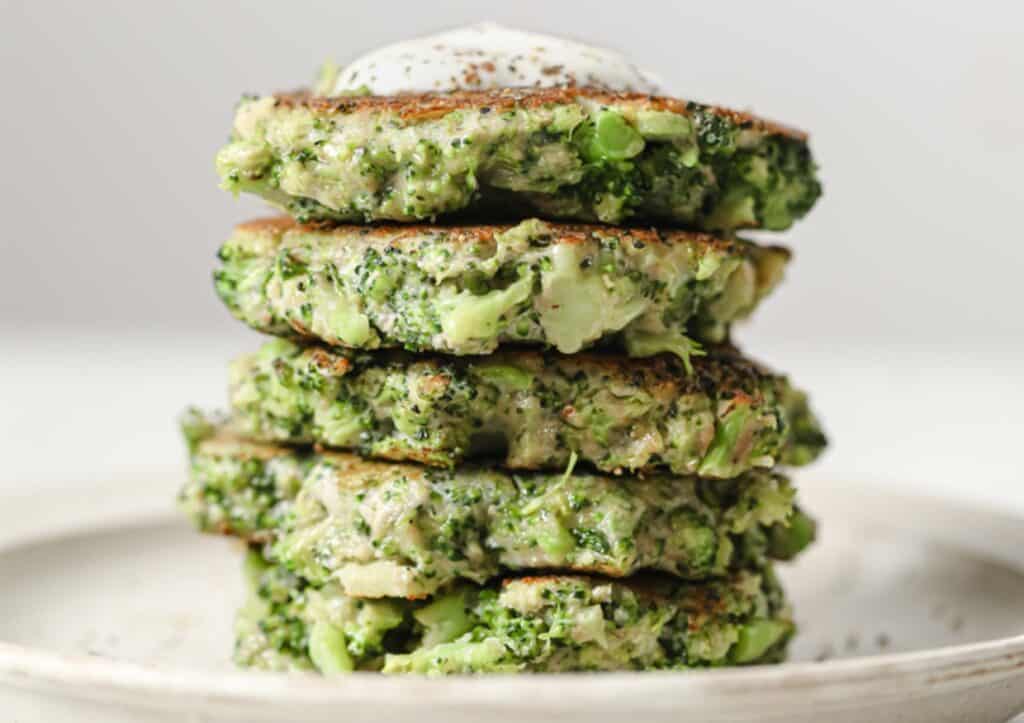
<point x="484" y="57"/>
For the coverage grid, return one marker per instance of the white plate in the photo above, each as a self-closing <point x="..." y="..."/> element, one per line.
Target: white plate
<point x="113" y="610"/>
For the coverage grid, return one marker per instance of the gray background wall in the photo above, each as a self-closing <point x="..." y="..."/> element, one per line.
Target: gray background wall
<point x="113" y="111"/>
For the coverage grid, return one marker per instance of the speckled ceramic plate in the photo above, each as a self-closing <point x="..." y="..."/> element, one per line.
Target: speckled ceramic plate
<point x="114" y="611"/>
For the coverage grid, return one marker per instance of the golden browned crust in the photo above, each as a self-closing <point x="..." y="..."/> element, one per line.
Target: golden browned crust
<point x="353" y="471"/>
<point x="425" y="106"/>
<point x="699" y="602"/>
<point x="268" y="224"/>
<point x="723" y="372"/>
<point x="253" y="537"/>
<point x="398" y="453"/>
<point x="334" y="364"/>
<point x="561" y="233"/>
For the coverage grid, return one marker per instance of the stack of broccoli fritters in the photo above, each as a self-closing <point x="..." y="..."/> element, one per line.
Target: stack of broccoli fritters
<point x="517" y="438"/>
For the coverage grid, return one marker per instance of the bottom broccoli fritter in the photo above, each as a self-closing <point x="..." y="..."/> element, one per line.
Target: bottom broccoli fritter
<point x="540" y="624"/>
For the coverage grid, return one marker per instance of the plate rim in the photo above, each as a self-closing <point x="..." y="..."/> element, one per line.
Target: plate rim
<point x="828" y="683"/>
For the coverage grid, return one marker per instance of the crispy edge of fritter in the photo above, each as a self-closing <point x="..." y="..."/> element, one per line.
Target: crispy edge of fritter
<point x="399" y="235"/>
<point x="415" y="107"/>
<point x="722" y="372"/>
